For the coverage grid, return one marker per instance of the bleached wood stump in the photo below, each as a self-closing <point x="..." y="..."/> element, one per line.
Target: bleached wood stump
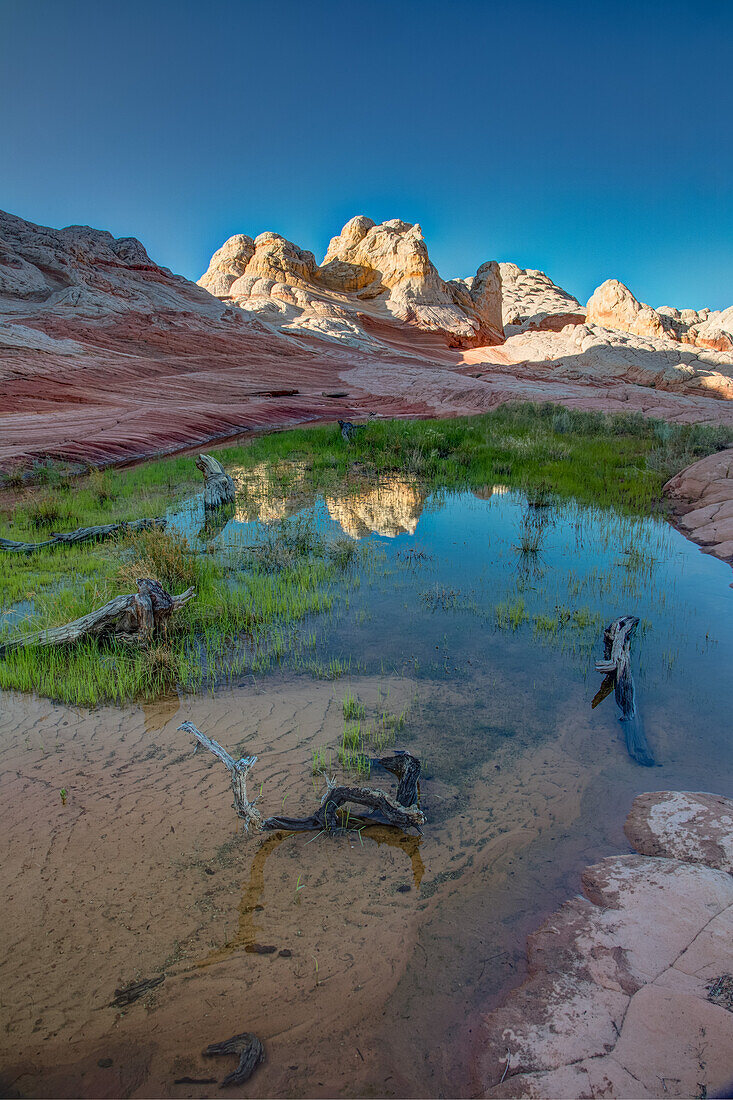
<point x="616" y="667"/>
<point x="218" y="485"/>
<point x="133" y="618"/>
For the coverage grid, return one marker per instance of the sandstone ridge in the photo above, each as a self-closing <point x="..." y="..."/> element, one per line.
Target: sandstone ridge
<point x="106" y="356"/>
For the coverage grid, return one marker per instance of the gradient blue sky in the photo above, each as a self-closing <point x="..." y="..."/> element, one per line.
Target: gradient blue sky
<point x="589" y="140"/>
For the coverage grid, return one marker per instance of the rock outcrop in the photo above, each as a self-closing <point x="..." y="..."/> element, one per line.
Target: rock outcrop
<point x="378" y="271"/>
<point x="613" y="306"/>
<point x="85" y="272"/>
<point x="106" y="356"/>
<point x="696" y="828"/>
<point x="630" y="992"/>
<point x="702" y="496"/>
<point x="530" y="300"/>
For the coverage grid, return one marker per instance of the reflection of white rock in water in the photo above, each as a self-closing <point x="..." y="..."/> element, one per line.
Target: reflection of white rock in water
<point x="390" y="508"/>
<point x="486" y="492"/>
<point x="269" y="493"/>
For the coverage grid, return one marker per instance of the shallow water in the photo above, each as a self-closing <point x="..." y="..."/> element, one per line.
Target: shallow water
<point x="396" y="944"/>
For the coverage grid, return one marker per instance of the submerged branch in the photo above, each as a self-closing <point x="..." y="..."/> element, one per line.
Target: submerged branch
<point x="616" y="668"/>
<point x="401" y="810"/>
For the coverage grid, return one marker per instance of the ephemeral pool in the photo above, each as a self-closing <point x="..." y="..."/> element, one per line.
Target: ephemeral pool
<point x="467" y="634"/>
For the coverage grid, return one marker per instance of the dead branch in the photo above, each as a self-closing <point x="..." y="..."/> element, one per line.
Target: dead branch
<point x="131" y="993"/>
<point x="82" y="534"/>
<point x="239" y="769"/>
<point x="402" y="810"/>
<point x="132" y="618"/>
<point x="250" y="1051"/>
<point x="616" y="667"/>
<point x="218" y="485"/>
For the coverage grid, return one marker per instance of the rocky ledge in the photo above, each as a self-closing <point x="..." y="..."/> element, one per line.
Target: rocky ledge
<point x="630" y="991"/>
<point x="702" y="497"/>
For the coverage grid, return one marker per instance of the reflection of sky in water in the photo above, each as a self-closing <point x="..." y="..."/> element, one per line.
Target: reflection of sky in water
<point x="440" y="605"/>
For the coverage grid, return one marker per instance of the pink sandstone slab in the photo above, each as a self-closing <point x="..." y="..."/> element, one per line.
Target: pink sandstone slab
<point x="618" y="1001"/>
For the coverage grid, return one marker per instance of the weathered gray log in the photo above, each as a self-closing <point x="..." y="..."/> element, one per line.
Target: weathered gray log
<point x="131" y="993"/>
<point x="393" y="811"/>
<point x="82" y="534"/>
<point x="218" y="486"/>
<point x="616" y="667"/>
<point x="250" y="1051"/>
<point x="130" y="618"/>
<point x="238" y="769"/>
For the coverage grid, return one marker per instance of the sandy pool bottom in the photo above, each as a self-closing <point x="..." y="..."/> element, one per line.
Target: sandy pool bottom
<point x="385" y="945"/>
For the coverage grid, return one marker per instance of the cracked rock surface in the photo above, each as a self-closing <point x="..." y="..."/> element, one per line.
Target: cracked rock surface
<point x="618" y="1002"/>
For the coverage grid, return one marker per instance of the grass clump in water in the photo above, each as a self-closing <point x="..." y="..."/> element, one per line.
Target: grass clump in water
<point x="351" y="706"/>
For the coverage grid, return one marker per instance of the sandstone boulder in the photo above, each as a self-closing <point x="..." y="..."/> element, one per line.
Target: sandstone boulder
<point x="702" y="496"/>
<point x="696" y="828"/>
<point x="715" y="330"/>
<point x="613" y="306"/>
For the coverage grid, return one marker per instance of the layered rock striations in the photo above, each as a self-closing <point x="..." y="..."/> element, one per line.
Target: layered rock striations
<point x="107" y="356"/>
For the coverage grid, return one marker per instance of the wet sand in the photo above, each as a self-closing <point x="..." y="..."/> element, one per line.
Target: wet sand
<point x="145" y="871"/>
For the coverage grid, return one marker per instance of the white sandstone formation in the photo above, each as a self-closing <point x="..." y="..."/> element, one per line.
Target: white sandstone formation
<point x="613" y="306"/>
<point x="530" y="300"/>
<point x="375" y="272"/>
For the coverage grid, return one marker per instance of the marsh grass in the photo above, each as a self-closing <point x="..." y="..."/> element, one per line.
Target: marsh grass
<point x="249" y="599"/>
<point x="351" y="706"/>
<point x="364" y="734"/>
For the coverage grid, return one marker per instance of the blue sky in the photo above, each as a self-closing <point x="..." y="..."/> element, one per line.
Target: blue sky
<point x="590" y="140"/>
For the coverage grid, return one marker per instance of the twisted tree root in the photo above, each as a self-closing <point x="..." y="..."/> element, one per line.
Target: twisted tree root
<point x="401" y="810"/>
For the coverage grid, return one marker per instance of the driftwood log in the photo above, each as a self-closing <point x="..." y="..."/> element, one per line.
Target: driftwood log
<point x="218" y="486"/>
<point x="132" y="618"/>
<point x="616" y="667"/>
<point x="238" y="770"/>
<point x="401" y="810"/>
<point x="131" y="993"/>
<point x="82" y="534"/>
<point x="249" y="1050"/>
